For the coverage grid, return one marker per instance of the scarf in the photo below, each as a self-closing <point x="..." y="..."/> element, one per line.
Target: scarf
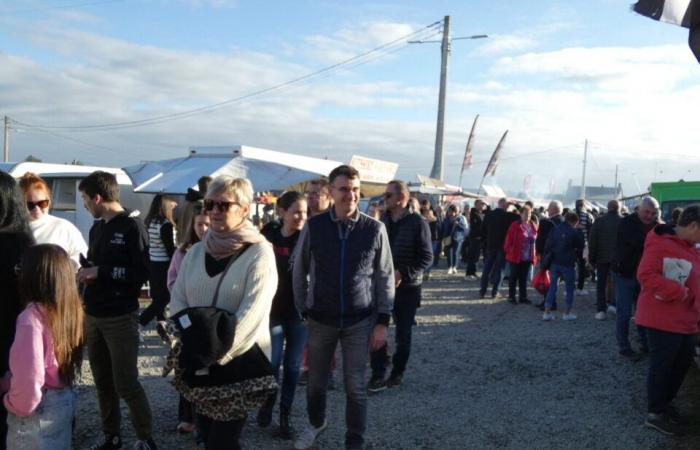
<point x="221" y="245"/>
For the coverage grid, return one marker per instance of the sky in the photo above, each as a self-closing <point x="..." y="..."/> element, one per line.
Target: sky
<point x="552" y="73"/>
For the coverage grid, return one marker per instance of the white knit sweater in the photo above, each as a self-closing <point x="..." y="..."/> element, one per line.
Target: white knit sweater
<point x="55" y="230"/>
<point x="247" y="292"/>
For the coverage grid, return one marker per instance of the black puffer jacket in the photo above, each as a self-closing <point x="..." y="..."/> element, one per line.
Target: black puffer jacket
<point x="631" y="234"/>
<point x="603" y="239"/>
<point x="411" y="248"/>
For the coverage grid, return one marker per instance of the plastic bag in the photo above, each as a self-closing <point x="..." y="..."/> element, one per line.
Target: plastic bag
<point x="541" y="281"/>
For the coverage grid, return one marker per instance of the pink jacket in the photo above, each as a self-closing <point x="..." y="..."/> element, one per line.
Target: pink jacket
<point x="33" y="364"/>
<point x="174" y="268"/>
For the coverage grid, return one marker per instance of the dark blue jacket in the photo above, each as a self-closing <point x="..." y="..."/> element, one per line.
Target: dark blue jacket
<point x="342" y="270"/>
<point x="563" y="242"/>
<point x="411" y="246"/>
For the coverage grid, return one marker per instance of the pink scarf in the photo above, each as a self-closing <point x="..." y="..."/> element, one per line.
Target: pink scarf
<point x="221" y="245"/>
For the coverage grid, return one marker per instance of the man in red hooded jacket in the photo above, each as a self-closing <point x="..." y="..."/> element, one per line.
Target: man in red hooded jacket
<point x="669" y="307"/>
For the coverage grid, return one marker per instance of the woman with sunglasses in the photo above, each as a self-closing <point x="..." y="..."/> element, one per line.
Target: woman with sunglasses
<point x="15" y="239"/>
<point x="48" y="229"/>
<point x="235" y="264"/>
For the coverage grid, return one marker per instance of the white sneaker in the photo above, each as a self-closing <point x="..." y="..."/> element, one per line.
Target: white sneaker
<point x="612" y="310"/>
<point x="547" y="317"/>
<point x="600" y="315"/>
<point x="569" y="317"/>
<point x="581" y="292"/>
<point x="308" y="435"/>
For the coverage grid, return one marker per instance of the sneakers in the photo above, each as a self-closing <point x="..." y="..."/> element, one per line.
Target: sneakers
<point x="548" y="317"/>
<point x="145" y="445"/>
<point x="662" y="424"/>
<point x="601" y="315"/>
<point x="451" y="271"/>
<point x="394" y="380"/>
<point x="630" y="354"/>
<point x="308" y="435"/>
<point x="612" y="310"/>
<point x="569" y="317"/>
<point x="376" y="385"/>
<point x="581" y="292"/>
<point x="186" y="427"/>
<point x="111" y="442"/>
<point x="675" y="417"/>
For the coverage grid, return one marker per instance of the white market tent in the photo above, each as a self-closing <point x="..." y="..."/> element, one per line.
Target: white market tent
<point x="266" y="169"/>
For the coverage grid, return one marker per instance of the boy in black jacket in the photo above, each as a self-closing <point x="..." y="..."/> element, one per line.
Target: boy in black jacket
<point x="118" y="266"/>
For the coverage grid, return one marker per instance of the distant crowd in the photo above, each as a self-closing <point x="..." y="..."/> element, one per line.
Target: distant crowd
<point x="250" y="309"/>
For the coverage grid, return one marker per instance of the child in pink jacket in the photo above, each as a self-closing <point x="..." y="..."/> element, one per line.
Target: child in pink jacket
<point x="46" y="354"/>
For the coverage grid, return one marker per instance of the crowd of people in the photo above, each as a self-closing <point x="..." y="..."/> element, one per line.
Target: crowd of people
<point x="248" y="314"/>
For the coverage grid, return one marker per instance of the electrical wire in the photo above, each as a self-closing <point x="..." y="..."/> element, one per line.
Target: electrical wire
<point x="356" y="60"/>
<point x="67" y="6"/>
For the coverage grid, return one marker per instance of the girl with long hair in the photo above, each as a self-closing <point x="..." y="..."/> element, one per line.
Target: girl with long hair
<point x="161" y="237"/>
<point x="47" y="352"/>
<point x="15" y="238"/>
<point x="199" y="224"/>
<point x="287" y="329"/>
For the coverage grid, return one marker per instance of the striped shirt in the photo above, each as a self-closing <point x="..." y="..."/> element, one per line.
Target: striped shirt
<point x="161" y="236"/>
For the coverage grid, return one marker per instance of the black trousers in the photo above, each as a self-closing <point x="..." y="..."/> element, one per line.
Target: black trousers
<point x="160" y="295"/>
<point x="581" y="263"/>
<point x="670" y="357"/>
<point x="473" y="255"/>
<point x="218" y="435"/>
<point x="518" y="276"/>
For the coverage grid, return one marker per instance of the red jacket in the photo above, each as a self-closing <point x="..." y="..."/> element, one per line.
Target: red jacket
<point x="515" y="239"/>
<point x="665" y="304"/>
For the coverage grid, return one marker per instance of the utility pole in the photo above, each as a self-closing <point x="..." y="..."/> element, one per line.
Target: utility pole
<point x="6" y="145"/>
<point x="617" y="192"/>
<point x="438" y="164"/>
<point x="583" y="177"/>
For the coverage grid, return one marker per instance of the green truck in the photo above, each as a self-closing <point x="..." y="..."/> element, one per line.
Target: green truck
<point x="675" y="194"/>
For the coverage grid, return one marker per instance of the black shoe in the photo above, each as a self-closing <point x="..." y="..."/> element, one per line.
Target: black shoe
<point x="662" y="424"/>
<point x="110" y="442"/>
<point x="303" y="378"/>
<point x="376" y="384"/>
<point x="512" y="301"/>
<point x="286" y="429"/>
<point x="643" y="349"/>
<point x="540" y="306"/>
<point x="675" y="417"/>
<point x="395" y="380"/>
<point x="630" y="354"/>
<point x="553" y="308"/>
<point x="264" y="417"/>
<point x="525" y="301"/>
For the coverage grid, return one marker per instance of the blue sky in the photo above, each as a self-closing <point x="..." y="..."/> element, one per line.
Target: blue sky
<point x="552" y="72"/>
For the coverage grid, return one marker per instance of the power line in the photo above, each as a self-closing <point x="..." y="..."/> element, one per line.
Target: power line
<point x="356" y="60"/>
<point x="89" y="144"/>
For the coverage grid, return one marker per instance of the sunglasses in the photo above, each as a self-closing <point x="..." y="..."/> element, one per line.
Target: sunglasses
<point x="42" y="204"/>
<point x="222" y="206"/>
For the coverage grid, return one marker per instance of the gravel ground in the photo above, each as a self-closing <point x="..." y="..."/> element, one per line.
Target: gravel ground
<point x="483" y="374"/>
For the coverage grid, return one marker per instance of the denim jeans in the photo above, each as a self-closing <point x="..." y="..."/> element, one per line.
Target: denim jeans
<point x="406" y="302"/>
<point x="670" y="357"/>
<point x="493" y="265"/>
<point x="453" y="253"/>
<point x="49" y="427"/>
<point x="288" y="335"/>
<point x="601" y="287"/>
<point x="113" y="346"/>
<point x="519" y="273"/>
<point x="437" y="247"/>
<point x="626" y="293"/>
<point x="354" y="341"/>
<point x="569" y="276"/>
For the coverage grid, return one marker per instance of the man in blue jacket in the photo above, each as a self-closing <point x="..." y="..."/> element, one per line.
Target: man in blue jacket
<point x="343" y="280"/>
<point x="563" y="243"/>
<point x="411" y="250"/>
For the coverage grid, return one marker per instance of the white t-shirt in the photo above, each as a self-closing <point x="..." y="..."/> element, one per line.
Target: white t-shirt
<point x="54" y="230"/>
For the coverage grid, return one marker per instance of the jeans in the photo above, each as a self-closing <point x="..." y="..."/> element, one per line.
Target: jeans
<point x="473" y="256"/>
<point x="354" y="341"/>
<point x="519" y="273"/>
<point x="49" y="427"/>
<point x="493" y="265"/>
<point x="601" y="287"/>
<point x="218" y="435"/>
<point x="436" y="255"/>
<point x="160" y="295"/>
<point x="626" y="293"/>
<point x="406" y="302"/>
<point x="453" y="253"/>
<point x="569" y="276"/>
<point x="288" y="335"/>
<point x="113" y="344"/>
<point x="670" y="357"/>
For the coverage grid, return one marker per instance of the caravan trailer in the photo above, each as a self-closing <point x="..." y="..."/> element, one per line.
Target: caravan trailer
<point x="63" y="180"/>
